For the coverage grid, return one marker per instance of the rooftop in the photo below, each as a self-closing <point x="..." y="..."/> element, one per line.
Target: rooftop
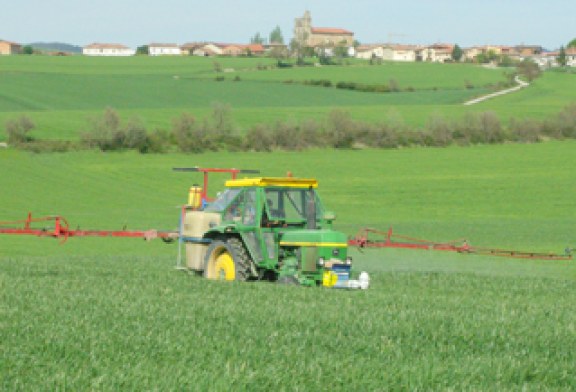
<point x="330" y="30"/>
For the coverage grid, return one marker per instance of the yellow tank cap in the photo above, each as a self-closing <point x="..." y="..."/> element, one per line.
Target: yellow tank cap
<point x="195" y="196"/>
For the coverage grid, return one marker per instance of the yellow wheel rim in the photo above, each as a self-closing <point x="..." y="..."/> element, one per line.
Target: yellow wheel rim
<point x="329" y="279"/>
<point x="225" y="267"/>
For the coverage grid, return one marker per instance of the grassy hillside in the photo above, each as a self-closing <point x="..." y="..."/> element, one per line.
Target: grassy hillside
<point x="554" y="90"/>
<point x="62" y="94"/>
<point x="109" y="314"/>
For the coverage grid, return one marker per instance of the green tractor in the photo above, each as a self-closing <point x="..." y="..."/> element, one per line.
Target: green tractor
<point x="266" y="229"/>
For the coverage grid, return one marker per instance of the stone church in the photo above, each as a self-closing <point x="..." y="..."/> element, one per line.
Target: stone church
<point x="320" y="36"/>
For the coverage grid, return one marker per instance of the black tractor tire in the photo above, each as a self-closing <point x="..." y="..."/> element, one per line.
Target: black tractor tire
<point x="224" y="256"/>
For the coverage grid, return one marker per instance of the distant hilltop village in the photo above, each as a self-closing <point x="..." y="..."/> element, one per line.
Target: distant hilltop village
<point x="326" y="42"/>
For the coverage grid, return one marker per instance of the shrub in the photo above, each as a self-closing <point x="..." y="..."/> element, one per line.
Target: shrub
<point x="565" y="121"/>
<point x="107" y="133"/>
<point x="219" y="129"/>
<point x="439" y="132"/>
<point x="340" y="129"/>
<point x="393" y="85"/>
<point x="17" y="130"/>
<point x="156" y="143"/>
<point x="479" y="128"/>
<point x="186" y="135"/>
<point x="346" y="85"/>
<point x="525" y="131"/>
<point x="381" y="136"/>
<point x="318" y="82"/>
<point x="311" y="135"/>
<point x="104" y="133"/>
<point x="288" y="136"/>
<point x="529" y="69"/>
<point x="492" y="128"/>
<point x="43" y="146"/>
<point x="134" y="134"/>
<point x="258" y="138"/>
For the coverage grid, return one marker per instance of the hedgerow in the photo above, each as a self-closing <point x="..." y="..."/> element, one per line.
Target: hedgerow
<point x="337" y="130"/>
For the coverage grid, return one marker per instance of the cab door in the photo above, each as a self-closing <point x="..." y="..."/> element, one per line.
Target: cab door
<point x="247" y="224"/>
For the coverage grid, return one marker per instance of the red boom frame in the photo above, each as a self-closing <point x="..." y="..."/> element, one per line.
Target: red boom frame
<point x="366" y="239"/>
<point x="61" y="230"/>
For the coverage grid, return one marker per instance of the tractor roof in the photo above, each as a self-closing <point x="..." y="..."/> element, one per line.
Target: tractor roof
<point x="289" y="182"/>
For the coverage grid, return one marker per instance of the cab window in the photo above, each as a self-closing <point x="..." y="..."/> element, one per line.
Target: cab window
<point x="223" y="200"/>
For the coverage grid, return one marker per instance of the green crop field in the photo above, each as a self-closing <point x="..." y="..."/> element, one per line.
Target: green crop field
<point x="113" y="314"/>
<point x="63" y="95"/>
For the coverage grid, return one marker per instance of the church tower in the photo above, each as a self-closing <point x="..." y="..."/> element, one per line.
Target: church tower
<point x="303" y="28"/>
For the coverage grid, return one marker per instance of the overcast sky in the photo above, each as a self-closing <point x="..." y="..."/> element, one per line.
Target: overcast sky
<point x="549" y="23"/>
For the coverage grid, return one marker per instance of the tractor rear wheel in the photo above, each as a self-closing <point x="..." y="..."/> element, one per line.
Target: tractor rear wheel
<point x="227" y="259"/>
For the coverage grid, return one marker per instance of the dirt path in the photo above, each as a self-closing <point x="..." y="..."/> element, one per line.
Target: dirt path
<point x="521" y="85"/>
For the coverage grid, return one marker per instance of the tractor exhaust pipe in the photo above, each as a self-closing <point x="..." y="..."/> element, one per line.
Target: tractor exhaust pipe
<point x="310" y="210"/>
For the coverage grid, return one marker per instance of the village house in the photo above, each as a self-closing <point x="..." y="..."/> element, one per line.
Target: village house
<point x="550" y="59"/>
<point x="100" y="49"/>
<point x="320" y="37"/>
<point x="222" y="49"/>
<point x="388" y="52"/>
<point x="546" y="60"/>
<point x="471" y="54"/>
<point x="437" y="53"/>
<point x="255" y="49"/>
<point x="204" y="50"/>
<point x="369" y="52"/>
<point x="405" y="53"/>
<point x="275" y="48"/>
<point x="233" y="50"/>
<point x="241" y="49"/>
<point x="571" y="57"/>
<point x="156" y="49"/>
<point x="7" y="48"/>
<point x="528" y="50"/>
<point x="190" y="48"/>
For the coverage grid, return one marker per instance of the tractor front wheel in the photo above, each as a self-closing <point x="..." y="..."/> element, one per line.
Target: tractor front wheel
<point x="227" y="260"/>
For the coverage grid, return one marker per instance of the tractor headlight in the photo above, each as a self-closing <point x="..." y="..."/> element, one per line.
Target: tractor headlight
<point x="348" y="260"/>
<point x="321" y="262"/>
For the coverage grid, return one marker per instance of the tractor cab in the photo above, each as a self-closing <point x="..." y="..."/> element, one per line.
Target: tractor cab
<point x="271" y="202"/>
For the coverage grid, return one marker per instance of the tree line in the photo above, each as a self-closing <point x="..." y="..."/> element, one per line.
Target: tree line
<point x="338" y="129"/>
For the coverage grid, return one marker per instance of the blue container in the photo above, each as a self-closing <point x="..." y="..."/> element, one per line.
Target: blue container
<point x="343" y="273"/>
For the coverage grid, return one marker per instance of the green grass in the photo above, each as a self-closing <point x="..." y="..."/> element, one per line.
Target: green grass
<point x="113" y="314"/>
<point x="109" y="314"/>
<point x="416" y="75"/>
<point x="61" y="95"/>
<point x="103" y="314"/>
<point x="505" y="196"/>
<point x="133" y="323"/>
